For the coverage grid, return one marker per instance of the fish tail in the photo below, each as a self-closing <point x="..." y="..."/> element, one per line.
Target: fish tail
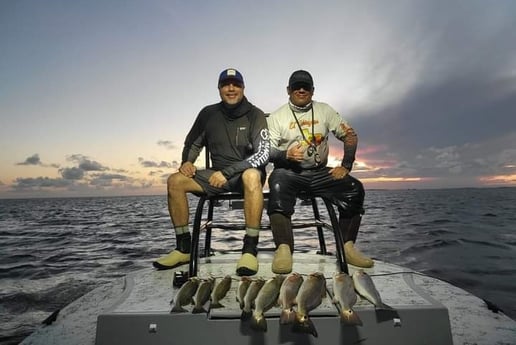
<point x="383" y="306"/>
<point x="350" y="317"/>
<point x="216" y="305"/>
<point x="198" y="310"/>
<point x="304" y="325"/>
<point x="246" y="315"/>
<point x="287" y="316"/>
<point x="259" y="323"/>
<point x="178" y="309"/>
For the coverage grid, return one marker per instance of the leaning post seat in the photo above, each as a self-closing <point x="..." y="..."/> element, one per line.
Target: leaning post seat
<point x="207" y="223"/>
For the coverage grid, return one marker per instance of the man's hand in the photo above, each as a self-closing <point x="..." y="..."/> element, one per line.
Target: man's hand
<point x="188" y="169"/>
<point x="217" y="179"/>
<point x="339" y="172"/>
<point x="296" y="153"/>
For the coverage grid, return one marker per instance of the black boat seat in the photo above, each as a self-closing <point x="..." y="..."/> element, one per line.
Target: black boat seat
<point x="204" y="221"/>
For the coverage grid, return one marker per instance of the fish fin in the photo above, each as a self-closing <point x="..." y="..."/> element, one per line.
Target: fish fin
<point x="259" y="323"/>
<point x="350" y="317"/>
<point x="304" y="325"/>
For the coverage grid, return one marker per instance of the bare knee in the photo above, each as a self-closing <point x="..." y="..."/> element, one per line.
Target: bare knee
<point x="252" y="180"/>
<point x="174" y="181"/>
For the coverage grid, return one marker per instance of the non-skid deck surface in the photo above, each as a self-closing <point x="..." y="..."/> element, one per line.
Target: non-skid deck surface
<point x="153" y="290"/>
<point x="146" y="305"/>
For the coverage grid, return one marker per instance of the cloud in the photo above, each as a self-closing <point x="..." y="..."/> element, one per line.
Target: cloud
<point x="73" y="173"/>
<point x="86" y="164"/>
<point x="167" y="144"/>
<point x="107" y="180"/>
<point x="35" y="160"/>
<point x="32" y="160"/>
<point x="445" y="96"/>
<point x="30" y="183"/>
<point x="151" y="164"/>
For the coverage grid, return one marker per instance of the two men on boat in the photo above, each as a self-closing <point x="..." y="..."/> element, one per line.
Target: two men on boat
<point x="237" y="136"/>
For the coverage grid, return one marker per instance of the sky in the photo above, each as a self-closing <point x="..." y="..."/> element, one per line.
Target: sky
<point x="96" y="97"/>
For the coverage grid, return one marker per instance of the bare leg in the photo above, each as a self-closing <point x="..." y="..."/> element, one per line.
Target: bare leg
<point x="178" y="186"/>
<point x="253" y="209"/>
<point x="253" y="198"/>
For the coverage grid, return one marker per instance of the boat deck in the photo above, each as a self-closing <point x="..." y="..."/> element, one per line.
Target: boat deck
<point x="136" y="310"/>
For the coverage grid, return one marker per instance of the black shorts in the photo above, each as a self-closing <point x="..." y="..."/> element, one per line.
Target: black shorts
<point x="234" y="184"/>
<point x="285" y="185"/>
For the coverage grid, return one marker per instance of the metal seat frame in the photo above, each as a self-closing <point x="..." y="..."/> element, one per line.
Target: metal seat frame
<point x="207" y="223"/>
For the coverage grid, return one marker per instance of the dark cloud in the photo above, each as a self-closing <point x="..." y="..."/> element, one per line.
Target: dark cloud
<point x="167" y="144"/>
<point x="21" y="184"/>
<point x="151" y="164"/>
<point x="35" y="160"/>
<point x="455" y="116"/>
<point x="73" y="173"/>
<point x="86" y="164"/>
<point x="106" y="180"/>
<point x="32" y="160"/>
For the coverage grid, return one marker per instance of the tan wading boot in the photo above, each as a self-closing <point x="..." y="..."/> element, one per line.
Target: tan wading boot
<point x="282" y="262"/>
<point x="355" y="257"/>
<point x="173" y="259"/>
<point x="247" y="265"/>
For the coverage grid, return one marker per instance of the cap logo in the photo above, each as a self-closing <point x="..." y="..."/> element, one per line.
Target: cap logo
<point x="231" y="72"/>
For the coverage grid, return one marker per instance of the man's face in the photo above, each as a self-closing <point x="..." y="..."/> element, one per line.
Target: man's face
<point x="231" y="92"/>
<point x="300" y="94"/>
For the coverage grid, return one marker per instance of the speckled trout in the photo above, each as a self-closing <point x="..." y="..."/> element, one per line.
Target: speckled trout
<point x="365" y="287"/>
<point x="243" y="285"/>
<point x="220" y="291"/>
<point x="287" y="297"/>
<point x="344" y="294"/>
<point x="184" y="295"/>
<point x="309" y="297"/>
<point x="266" y="299"/>
<point x="203" y="295"/>
<point x="250" y="297"/>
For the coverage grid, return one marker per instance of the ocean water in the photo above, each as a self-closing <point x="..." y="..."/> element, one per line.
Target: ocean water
<point x="52" y="251"/>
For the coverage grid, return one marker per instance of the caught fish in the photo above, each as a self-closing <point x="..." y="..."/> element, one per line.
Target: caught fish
<point x="203" y="295"/>
<point x="250" y="297"/>
<point x="344" y="294"/>
<point x="185" y="295"/>
<point x="266" y="299"/>
<point x="243" y="285"/>
<point x="287" y="296"/>
<point x="365" y="287"/>
<point x="309" y="297"/>
<point x="220" y="291"/>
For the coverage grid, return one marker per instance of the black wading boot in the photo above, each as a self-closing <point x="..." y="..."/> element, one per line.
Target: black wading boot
<point x="177" y="257"/>
<point x="248" y="263"/>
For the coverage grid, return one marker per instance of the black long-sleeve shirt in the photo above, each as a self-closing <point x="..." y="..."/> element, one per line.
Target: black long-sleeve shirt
<point x="236" y="137"/>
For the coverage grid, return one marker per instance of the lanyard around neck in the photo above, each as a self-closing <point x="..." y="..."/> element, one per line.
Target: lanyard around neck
<point x="311" y="142"/>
